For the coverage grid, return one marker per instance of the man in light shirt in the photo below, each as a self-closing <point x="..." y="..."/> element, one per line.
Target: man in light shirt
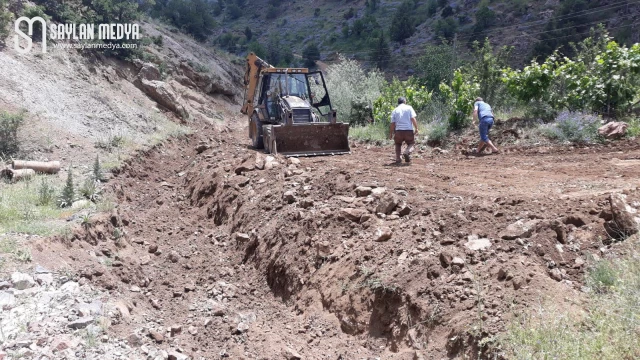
<point x="403" y="128"/>
<point x="483" y="114"/>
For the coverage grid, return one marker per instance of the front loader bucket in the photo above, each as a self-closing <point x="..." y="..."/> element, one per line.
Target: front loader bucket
<point x="307" y="139"/>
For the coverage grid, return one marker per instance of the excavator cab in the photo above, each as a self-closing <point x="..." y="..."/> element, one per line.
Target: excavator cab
<point x="290" y="111"/>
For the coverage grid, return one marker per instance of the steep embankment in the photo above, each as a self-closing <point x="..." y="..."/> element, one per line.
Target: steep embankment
<point x="229" y="253"/>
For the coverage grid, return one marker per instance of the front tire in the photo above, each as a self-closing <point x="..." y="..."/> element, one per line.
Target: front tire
<point x="256" y="133"/>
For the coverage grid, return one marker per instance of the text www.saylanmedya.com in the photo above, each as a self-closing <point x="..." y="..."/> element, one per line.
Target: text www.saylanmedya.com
<point x="83" y="46"/>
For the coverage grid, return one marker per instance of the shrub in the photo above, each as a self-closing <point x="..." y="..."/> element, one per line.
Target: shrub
<point x="89" y="189"/>
<point x="460" y="97"/>
<point x="348" y="83"/>
<point x="417" y="96"/>
<point x="311" y="53"/>
<point x="46" y="193"/>
<point x="5" y="20"/>
<point x="9" y="126"/>
<point x="574" y="127"/>
<point x="437" y="131"/>
<point x="436" y="65"/>
<point x="97" y="170"/>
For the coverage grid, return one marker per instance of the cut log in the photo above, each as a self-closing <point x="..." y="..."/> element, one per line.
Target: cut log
<point x="51" y="167"/>
<point x="22" y="174"/>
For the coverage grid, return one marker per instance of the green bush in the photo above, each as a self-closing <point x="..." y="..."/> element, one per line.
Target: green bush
<point x="9" y="126"/>
<point x="5" y="20"/>
<point x="460" y="97"/>
<point x="46" y="193"/>
<point x="348" y="83"/>
<point x="68" y="194"/>
<point x="417" y="96"/>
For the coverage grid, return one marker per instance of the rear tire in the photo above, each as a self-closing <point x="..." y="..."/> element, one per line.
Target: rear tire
<point x="256" y="133"/>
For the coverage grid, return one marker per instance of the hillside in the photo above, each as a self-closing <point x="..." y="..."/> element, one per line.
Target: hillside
<point x="533" y="28"/>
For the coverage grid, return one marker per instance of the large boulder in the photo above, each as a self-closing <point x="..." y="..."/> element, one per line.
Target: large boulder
<point x="210" y="83"/>
<point x="624" y="217"/>
<point x="149" y="72"/>
<point x="164" y="95"/>
<point x="519" y="229"/>
<point x="613" y="130"/>
<point x="387" y="204"/>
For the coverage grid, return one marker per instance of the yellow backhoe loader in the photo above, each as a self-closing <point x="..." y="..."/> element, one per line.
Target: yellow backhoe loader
<point x="290" y="112"/>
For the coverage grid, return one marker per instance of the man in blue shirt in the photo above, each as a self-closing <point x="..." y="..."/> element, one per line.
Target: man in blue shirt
<point x="403" y="128"/>
<point x="482" y="112"/>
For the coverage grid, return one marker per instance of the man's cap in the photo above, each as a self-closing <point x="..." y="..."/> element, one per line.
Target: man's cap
<point x="478" y="99"/>
<point x="402" y="100"/>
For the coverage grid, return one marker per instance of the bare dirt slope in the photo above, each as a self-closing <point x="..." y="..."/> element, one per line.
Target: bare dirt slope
<point x="346" y="257"/>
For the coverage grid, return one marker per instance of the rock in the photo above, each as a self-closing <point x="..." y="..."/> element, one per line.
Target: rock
<point x="81" y="204"/>
<point x="247" y="165"/>
<point x="517" y="282"/>
<point x="174" y="256"/>
<point x="156" y="336"/>
<point x="383" y="234"/>
<point x="22" y="281"/>
<point x="70" y="287"/>
<point x="64" y="342"/>
<point x="259" y="162"/>
<point x="294" y="161"/>
<point x="575" y="220"/>
<point x="44" y="279"/>
<point x="7" y="300"/>
<point x="162" y="93"/>
<point x="217" y="309"/>
<point x="306" y="203"/>
<point x="291" y="354"/>
<point x="352" y="214"/>
<point x="241" y="328"/>
<point x="202" y="147"/>
<point x="362" y="191"/>
<point x="81" y="323"/>
<point x="519" y="229"/>
<point x="242" y="237"/>
<point x="149" y="72"/>
<point x="457" y="261"/>
<point x="152" y="248"/>
<point x="289" y="197"/>
<point x="123" y="309"/>
<point x="175" y="330"/>
<point x="555" y="274"/>
<point x="474" y="243"/>
<point x="270" y="163"/>
<point x="134" y="340"/>
<point x="134" y="288"/>
<point x="4" y="285"/>
<point x="174" y="355"/>
<point x="623" y="216"/>
<point x="403" y="209"/>
<point x="387" y="204"/>
<point x="323" y="249"/>
<point x="378" y="192"/>
<point x="613" y="130"/>
<point x="445" y="259"/>
<point x="145" y="260"/>
<point x="192" y="330"/>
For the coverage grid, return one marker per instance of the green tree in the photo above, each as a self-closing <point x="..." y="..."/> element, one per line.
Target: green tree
<point x="68" y="192"/>
<point x="432" y="7"/>
<point x="402" y="23"/>
<point x="248" y="33"/>
<point x="485" y="17"/>
<point x="310" y="54"/>
<point x="445" y="28"/>
<point x="381" y="54"/>
<point x="257" y="48"/>
<point x="486" y="68"/>
<point x="436" y="65"/>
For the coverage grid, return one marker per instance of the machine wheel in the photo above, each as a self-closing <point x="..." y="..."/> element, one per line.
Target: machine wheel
<point x="256" y="133"/>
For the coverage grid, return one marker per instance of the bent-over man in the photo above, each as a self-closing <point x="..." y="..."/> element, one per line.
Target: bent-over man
<point x="403" y="128"/>
<point x="483" y="117"/>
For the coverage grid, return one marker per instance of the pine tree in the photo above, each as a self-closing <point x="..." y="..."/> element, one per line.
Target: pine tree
<point x="97" y="170"/>
<point x="68" y="192"/>
<point x="381" y="53"/>
<point x="402" y="23"/>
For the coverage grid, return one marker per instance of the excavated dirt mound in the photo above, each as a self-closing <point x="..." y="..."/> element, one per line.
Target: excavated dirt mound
<point x="350" y="257"/>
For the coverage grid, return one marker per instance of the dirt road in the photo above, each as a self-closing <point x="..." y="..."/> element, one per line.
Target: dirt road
<point x="348" y="257"/>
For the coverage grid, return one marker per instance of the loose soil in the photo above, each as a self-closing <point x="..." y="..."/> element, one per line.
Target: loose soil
<point x="284" y="262"/>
